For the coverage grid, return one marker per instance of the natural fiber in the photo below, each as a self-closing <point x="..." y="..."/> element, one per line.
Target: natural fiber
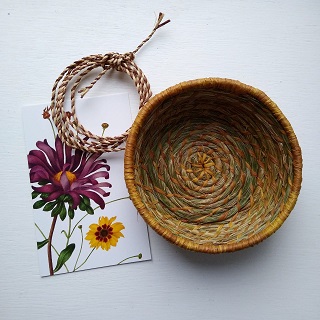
<point x="68" y="126"/>
<point x="213" y="165"/>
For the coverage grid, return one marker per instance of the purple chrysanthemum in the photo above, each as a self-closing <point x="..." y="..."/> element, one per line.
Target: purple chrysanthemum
<point x="65" y="171"/>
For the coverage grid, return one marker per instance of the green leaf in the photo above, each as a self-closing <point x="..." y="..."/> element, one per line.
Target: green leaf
<point x="41" y="244"/>
<point x="63" y="212"/>
<point x="71" y="213"/>
<point x="61" y="198"/>
<point x="65" y="233"/>
<point x="57" y="209"/>
<point x="49" y="206"/>
<point x="44" y="195"/>
<point x="82" y="206"/>
<point x="86" y="201"/>
<point x="64" y="256"/>
<point x="90" y="210"/>
<point x="34" y="194"/>
<point x="67" y="198"/>
<point x="39" y="204"/>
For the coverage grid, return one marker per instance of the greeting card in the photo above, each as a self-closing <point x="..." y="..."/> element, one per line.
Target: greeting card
<point x="82" y="212"/>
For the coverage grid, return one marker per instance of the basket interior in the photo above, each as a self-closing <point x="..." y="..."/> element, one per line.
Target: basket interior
<point x="212" y="166"/>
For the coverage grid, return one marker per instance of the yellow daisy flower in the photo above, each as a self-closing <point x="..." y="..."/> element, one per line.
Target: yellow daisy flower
<point x="105" y="234"/>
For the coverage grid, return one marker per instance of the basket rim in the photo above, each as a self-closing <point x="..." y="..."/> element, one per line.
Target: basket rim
<point x="217" y="83"/>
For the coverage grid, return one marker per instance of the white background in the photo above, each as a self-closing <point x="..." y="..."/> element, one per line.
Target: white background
<point x="272" y="45"/>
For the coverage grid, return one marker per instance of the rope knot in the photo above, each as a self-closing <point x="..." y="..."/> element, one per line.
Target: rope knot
<point x="118" y="61"/>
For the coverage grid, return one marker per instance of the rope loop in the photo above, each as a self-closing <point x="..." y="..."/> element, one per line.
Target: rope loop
<point x="69" y="129"/>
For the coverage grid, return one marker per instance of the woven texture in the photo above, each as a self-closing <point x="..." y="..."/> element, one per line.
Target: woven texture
<point x="213" y="165"/>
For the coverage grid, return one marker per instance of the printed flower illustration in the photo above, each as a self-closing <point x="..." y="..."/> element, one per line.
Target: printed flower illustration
<point x="105" y="234"/>
<point x="68" y="173"/>
<point x="65" y="180"/>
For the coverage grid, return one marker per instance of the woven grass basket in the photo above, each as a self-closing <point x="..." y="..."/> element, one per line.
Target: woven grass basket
<point x="213" y="165"/>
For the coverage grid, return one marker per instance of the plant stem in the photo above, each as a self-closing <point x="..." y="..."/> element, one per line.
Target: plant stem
<point x="68" y="234"/>
<point x="52" y="127"/>
<point x="77" y="224"/>
<point x="40" y="231"/>
<point x="49" y="245"/>
<point x="75" y="266"/>
<point x="136" y="256"/>
<point x="84" y="260"/>
<point x="113" y="201"/>
<point x="53" y="247"/>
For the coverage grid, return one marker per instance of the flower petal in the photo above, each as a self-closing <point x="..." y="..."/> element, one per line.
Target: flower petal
<point x="118" y="226"/>
<point x="86" y="169"/>
<point x="38" y="173"/>
<point x="76" y="199"/>
<point x="55" y="195"/>
<point x="93" y="196"/>
<point x="50" y="153"/>
<point x="64" y="181"/>
<point x="48" y="188"/>
<point x="113" y="241"/>
<point x="103" y="220"/>
<point x="76" y="160"/>
<point x="68" y="154"/>
<point x="38" y="159"/>
<point x="118" y="234"/>
<point x="96" y="175"/>
<point x="59" y="151"/>
<point x="107" y="246"/>
<point x="112" y="219"/>
<point x="93" y="188"/>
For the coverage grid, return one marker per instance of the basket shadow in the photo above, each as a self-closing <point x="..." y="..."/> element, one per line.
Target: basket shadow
<point x="239" y="259"/>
